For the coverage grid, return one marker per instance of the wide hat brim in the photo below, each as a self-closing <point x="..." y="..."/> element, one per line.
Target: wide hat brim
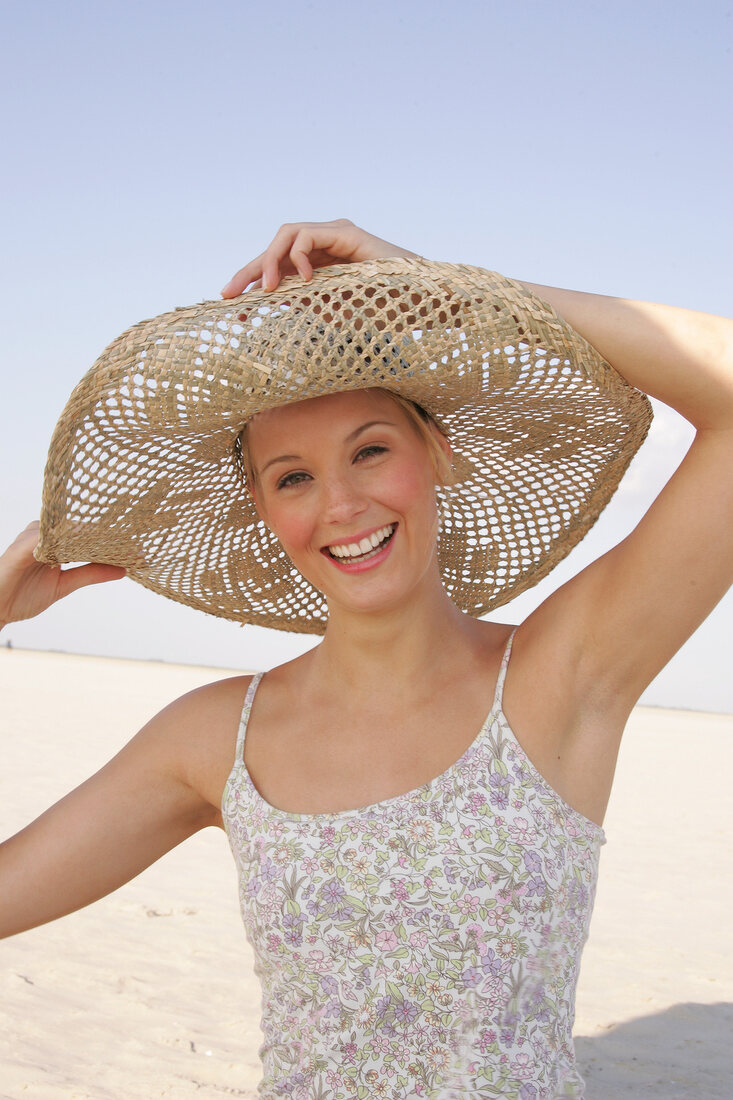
<point x="143" y="469"/>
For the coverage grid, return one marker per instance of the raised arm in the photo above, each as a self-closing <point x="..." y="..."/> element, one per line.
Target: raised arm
<point x="631" y="610"/>
<point x="628" y="613"/>
<point x="680" y="356"/>
<point x="623" y="618"/>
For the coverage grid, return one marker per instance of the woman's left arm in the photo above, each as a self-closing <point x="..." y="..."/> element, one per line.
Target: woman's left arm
<point x="657" y="586"/>
<point x="682" y="357"/>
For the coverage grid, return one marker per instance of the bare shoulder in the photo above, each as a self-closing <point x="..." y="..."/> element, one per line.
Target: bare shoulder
<point x="197" y="733"/>
<point x="163" y="786"/>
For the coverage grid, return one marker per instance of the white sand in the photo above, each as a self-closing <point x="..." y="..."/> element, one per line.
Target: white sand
<point x="150" y="993"/>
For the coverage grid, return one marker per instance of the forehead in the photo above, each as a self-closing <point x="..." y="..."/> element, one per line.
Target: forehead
<point x="336" y="411"/>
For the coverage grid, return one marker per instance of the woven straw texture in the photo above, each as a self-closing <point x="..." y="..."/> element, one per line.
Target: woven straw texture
<point x="143" y="469"/>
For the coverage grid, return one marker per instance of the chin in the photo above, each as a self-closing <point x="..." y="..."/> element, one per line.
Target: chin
<point x="377" y="603"/>
<point x="379" y="591"/>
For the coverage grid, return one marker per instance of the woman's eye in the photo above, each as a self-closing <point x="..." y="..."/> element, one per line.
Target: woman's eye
<point x="297" y="477"/>
<point x="292" y="479"/>
<point x="372" y="449"/>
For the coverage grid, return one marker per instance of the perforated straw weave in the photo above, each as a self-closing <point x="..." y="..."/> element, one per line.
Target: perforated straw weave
<point x="143" y="469"/>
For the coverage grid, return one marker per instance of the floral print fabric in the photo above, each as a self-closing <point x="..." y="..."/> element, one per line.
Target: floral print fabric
<point x="423" y="946"/>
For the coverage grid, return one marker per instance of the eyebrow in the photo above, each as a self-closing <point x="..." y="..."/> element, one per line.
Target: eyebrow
<point x="349" y="439"/>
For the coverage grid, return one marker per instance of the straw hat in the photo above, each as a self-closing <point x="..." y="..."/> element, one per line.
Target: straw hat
<point x="143" y="469"/>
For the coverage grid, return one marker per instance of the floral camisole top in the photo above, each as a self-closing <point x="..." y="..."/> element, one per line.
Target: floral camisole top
<point x="423" y="946"/>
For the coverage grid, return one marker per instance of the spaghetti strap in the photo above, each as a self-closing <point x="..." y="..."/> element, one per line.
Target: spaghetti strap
<point x="499" y="693"/>
<point x="244" y="719"/>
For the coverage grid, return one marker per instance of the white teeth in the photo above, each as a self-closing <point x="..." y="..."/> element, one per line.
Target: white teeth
<point x="367" y="545"/>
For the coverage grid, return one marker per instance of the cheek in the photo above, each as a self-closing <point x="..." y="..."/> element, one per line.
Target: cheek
<point x="292" y="525"/>
<point x="409" y="484"/>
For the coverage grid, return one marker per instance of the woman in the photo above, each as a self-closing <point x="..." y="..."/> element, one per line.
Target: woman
<point x="417" y="895"/>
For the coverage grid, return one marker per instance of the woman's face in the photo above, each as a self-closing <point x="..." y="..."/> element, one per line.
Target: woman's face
<point x="348" y="487"/>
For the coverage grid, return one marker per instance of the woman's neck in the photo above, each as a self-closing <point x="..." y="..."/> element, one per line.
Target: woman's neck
<point x="369" y="652"/>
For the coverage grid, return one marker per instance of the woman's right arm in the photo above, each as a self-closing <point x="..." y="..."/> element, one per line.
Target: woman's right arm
<point x="162" y="787"/>
<point x="106" y="831"/>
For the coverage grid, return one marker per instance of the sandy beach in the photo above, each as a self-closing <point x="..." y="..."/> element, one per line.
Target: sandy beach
<point x="150" y="993"/>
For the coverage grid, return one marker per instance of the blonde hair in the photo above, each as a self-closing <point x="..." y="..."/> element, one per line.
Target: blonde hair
<point x="424" y="425"/>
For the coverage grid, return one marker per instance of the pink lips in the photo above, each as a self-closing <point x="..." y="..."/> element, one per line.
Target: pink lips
<point x="348" y="566"/>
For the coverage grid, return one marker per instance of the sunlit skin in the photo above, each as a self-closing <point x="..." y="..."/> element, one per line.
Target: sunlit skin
<point x="335" y="469"/>
<point x="400" y="684"/>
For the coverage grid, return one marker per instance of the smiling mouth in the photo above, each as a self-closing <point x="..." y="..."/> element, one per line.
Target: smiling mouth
<point x="364" y="549"/>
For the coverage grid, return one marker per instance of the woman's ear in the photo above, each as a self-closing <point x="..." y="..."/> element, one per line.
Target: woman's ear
<point x="444" y="446"/>
<point x="256" y="499"/>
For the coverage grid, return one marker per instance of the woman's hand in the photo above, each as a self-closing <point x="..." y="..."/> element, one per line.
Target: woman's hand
<point x="28" y="587"/>
<point x="302" y="246"/>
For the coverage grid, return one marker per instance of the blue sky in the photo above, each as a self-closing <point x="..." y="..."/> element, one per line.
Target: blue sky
<point x="152" y="149"/>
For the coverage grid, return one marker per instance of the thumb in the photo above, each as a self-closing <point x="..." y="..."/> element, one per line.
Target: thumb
<point x="82" y="575"/>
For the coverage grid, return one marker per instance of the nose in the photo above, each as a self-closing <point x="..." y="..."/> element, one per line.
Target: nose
<point x="342" y="499"/>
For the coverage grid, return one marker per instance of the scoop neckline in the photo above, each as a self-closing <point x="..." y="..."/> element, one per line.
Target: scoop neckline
<point x="382" y="803"/>
<point x="327" y="816"/>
